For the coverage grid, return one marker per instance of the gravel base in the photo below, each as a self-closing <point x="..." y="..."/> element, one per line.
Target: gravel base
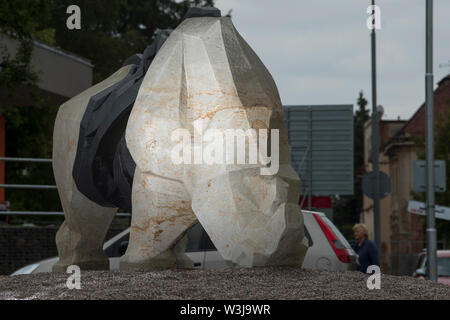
<point x="274" y="283"/>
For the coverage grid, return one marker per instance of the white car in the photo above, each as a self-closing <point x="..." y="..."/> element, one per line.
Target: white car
<point x="328" y="249"/>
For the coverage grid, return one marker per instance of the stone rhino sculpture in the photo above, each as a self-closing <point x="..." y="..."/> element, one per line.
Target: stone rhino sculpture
<point x="204" y="73"/>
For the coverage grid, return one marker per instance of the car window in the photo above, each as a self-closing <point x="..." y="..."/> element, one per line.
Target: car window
<point x="194" y="236"/>
<point x="443" y="267"/>
<point x="308" y="236"/>
<point x="118" y="248"/>
<point x="198" y="240"/>
<point x="206" y="243"/>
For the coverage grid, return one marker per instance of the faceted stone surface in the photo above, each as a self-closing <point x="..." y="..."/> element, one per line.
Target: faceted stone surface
<point x="206" y="74"/>
<point x="80" y="238"/>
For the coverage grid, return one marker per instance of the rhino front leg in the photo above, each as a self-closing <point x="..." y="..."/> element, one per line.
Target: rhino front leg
<point x="253" y="220"/>
<point x="161" y="216"/>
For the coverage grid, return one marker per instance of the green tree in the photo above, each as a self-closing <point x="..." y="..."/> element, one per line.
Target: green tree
<point x="25" y="21"/>
<point x="113" y="30"/>
<point x="361" y="117"/>
<point x="348" y="208"/>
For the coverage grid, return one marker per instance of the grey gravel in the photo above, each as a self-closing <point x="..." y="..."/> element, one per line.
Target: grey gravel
<point x="274" y="283"/>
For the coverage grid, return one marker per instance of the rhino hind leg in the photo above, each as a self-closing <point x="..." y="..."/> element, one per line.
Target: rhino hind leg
<point x="80" y="238"/>
<point x="162" y="215"/>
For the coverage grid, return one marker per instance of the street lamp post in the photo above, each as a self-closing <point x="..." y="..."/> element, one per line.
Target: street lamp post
<point x="375" y="140"/>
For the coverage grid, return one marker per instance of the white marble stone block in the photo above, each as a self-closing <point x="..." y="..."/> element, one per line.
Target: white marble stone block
<point x="206" y="74"/>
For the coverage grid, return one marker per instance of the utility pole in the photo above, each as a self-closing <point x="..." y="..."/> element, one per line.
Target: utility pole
<point x="431" y="229"/>
<point x="375" y="139"/>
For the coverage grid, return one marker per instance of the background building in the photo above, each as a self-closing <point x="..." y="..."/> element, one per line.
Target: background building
<point x="402" y="234"/>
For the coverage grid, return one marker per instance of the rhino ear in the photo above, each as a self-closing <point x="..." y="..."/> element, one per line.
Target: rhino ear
<point x="150" y="51"/>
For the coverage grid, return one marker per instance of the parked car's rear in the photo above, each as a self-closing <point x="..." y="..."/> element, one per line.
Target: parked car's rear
<point x="329" y="249"/>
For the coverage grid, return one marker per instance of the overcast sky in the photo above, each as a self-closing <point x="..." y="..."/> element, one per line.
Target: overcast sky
<point x="318" y="51"/>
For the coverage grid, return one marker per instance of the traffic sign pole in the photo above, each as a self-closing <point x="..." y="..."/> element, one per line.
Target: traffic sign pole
<point x="431" y="229"/>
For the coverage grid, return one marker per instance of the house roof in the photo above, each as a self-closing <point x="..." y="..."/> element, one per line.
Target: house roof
<point x="415" y="126"/>
<point x="62" y="52"/>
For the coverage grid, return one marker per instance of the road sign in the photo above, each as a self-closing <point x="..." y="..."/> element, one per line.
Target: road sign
<point x="368" y="184"/>
<point x="321" y="139"/>
<point x="417" y="207"/>
<point x="440" y="177"/>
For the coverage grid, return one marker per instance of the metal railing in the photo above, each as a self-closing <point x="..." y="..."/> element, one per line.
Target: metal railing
<point x="36" y="186"/>
<point x="26" y="186"/>
<point x="50" y="213"/>
<point x="6" y="159"/>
